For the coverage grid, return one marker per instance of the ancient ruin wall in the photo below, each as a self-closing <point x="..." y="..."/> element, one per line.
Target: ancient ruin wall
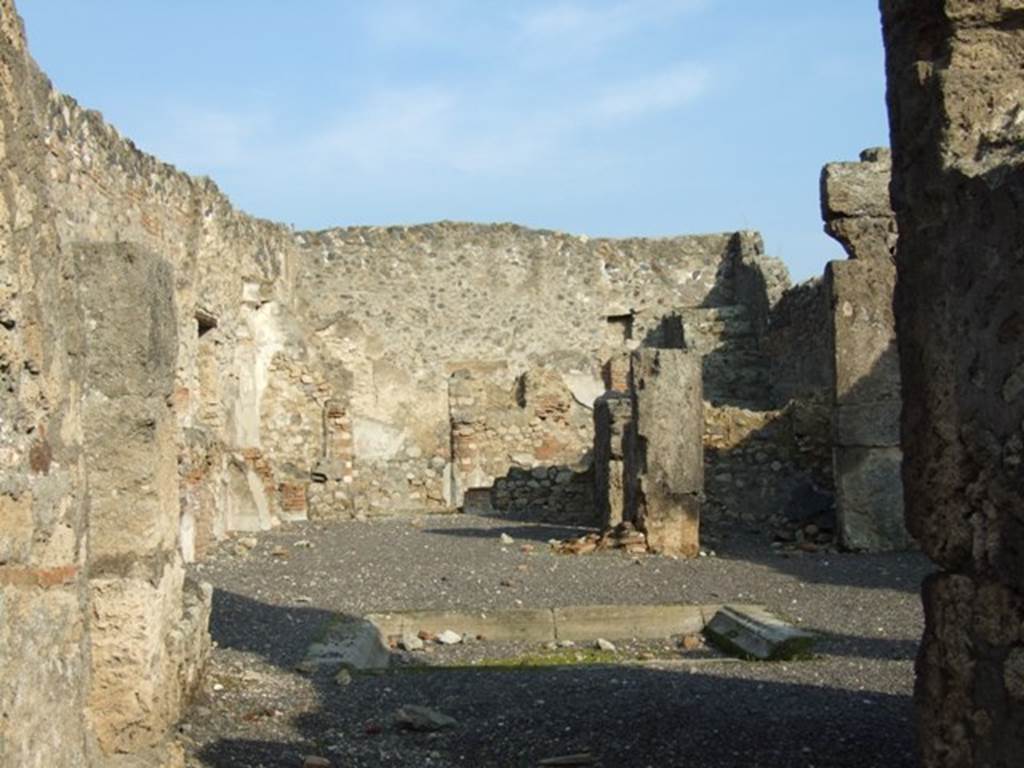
<point x="799" y="344"/>
<point x="395" y="312"/>
<point x="958" y="184"/>
<point x="148" y="427"/>
<point x="44" y="653"/>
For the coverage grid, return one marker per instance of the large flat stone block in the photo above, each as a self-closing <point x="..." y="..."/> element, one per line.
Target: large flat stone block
<point x="869" y="498"/>
<point x="864" y="330"/>
<point x="665" y="460"/>
<point x="149" y="645"/>
<point x="754" y="632"/>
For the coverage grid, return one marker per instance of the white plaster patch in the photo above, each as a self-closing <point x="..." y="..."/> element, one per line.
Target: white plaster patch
<point x="373" y="439"/>
<point x="585" y="387"/>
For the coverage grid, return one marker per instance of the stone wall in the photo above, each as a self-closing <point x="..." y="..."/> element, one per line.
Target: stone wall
<point x="520" y="451"/>
<point x="143" y="320"/>
<point x="958" y="191"/>
<point x="865" y="363"/>
<point x="394" y="312"/>
<point x="44" y="597"/>
<point x="799" y="345"/>
<point x="148" y="628"/>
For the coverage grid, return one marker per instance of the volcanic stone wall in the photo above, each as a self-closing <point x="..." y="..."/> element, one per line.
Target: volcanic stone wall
<point x="955" y="94"/>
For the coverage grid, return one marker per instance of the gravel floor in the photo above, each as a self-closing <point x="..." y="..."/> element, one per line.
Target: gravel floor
<point x="848" y="707"/>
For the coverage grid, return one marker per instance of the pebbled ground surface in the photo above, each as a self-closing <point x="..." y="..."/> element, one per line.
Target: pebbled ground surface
<point x="850" y="706"/>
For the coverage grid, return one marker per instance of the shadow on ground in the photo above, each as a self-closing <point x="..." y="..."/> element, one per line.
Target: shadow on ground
<point x="797" y="714"/>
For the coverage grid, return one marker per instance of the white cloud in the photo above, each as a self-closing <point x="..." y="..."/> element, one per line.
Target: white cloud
<point x="655" y="92"/>
<point x="593" y="24"/>
<point x="432" y="127"/>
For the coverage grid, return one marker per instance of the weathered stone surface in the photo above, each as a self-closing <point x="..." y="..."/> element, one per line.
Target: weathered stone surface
<point x="354" y="644"/>
<point x="536" y="626"/>
<point x="865" y="360"/>
<point x="869" y="498"/>
<point x="871" y="424"/>
<point x="622" y="622"/>
<point x="864" y="331"/>
<point x="799" y="343"/>
<point x="149" y="644"/>
<point x="958" y="183"/>
<point x="44" y="657"/>
<point x="855" y="206"/>
<point x="754" y="632"/>
<point x="419" y="718"/>
<point x="665" y="457"/>
<point x="613" y="415"/>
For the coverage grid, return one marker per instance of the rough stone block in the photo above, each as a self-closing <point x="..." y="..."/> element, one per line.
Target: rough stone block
<point x="354" y="644"/>
<point x="855" y="190"/>
<point x="754" y="632"/>
<point x="954" y="94"/>
<point x="665" y="457"/>
<point x="869" y="498"/>
<point x="866" y="418"/>
<point x="127" y="299"/>
<point x="872" y="424"/>
<point x="149" y="644"/>
<point x="44" y="668"/>
<point x="613" y="415"/>
<point x="864" y="331"/>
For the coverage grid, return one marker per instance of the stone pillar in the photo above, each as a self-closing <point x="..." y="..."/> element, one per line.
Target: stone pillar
<point x="665" y="451"/>
<point x="613" y="417"/>
<point x="955" y="93"/>
<point x="865" y="363"/>
<point x="148" y="629"/>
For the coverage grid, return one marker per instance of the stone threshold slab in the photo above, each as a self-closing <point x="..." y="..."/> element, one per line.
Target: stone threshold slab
<point x="362" y="644"/>
<point x="576" y="623"/>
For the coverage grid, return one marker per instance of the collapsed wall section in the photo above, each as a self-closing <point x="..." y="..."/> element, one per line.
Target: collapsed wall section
<point x="958" y="191"/>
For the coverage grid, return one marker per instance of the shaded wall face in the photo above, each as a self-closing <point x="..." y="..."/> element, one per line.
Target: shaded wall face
<point x="958" y="189"/>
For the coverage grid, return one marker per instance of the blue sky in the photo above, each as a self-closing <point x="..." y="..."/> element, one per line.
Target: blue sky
<point x="604" y="117"/>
